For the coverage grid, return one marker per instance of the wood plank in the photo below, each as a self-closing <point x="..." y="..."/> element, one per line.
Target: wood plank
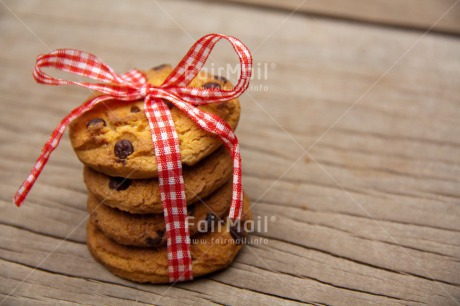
<point x="369" y="216"/>
<point x="417" y="14"/>
<point x="28" y="252"/>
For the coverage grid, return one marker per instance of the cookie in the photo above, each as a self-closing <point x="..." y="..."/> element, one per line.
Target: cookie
<point x="148" y="230"/>
<point x="114" y="137"/>
<point x="143" y="196"/>
<point x="211" y="251"/>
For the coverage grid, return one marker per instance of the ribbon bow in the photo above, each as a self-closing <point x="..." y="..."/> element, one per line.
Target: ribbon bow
<point x="133" y="86"/>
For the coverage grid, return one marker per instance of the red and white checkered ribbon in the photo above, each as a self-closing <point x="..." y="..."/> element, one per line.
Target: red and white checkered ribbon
<point x="133" y="86"/>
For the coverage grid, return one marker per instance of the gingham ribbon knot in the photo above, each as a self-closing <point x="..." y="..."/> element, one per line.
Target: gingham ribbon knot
<point x="144" y="90"/>
<point x="133" y="86"/>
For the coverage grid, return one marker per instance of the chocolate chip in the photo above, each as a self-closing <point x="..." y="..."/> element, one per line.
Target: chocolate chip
<point x="191" y="210"/>
<point x="168" y="103"/>
<point x="155" y="242"/>
<point x="220" y="78"/>
<point x="135" y="109"/>
<point x="238" y="233"/>
<point x="119" y="183"/>
<point x="95" y="122"/>
<point x="159" y="67"/>
<point x="123" y="148"/>
<point x="222" y="105"/>
<point x="211" y="85"/>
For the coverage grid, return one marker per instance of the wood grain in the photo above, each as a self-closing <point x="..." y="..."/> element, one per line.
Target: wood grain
<point x="437" y="15"/>
<point x="351" y="148"/>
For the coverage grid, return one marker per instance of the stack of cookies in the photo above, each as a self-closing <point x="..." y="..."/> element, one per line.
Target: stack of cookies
<point x="126" y="228"/>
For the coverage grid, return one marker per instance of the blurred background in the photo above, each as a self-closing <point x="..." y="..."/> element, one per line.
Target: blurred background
<point x="349" y="135"/>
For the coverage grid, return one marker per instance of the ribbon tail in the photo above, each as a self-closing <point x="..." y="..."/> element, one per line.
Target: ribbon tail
<point x="168" y="158"/>
<point x="50" y="146"/>
<point x="216" y="125"/>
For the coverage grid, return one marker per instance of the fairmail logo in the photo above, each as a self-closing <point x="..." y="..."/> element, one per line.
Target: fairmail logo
<point x="212" y="223"/>
<point x="260" y="71"/>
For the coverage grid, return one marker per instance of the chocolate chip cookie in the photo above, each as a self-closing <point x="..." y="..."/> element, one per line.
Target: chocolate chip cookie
<point x="211" y="251"/>
<point x="114" y="137"/>
<point x="148" y="230"/>
<point x="143" y="196"/>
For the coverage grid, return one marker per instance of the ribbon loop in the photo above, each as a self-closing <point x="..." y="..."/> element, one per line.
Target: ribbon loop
<point x="133" y="86"/>
<point x="76" y="62"/>
<point x="87" y="65"/>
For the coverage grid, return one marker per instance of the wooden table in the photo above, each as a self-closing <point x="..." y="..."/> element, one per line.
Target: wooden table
<point x="350" y="144"/>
